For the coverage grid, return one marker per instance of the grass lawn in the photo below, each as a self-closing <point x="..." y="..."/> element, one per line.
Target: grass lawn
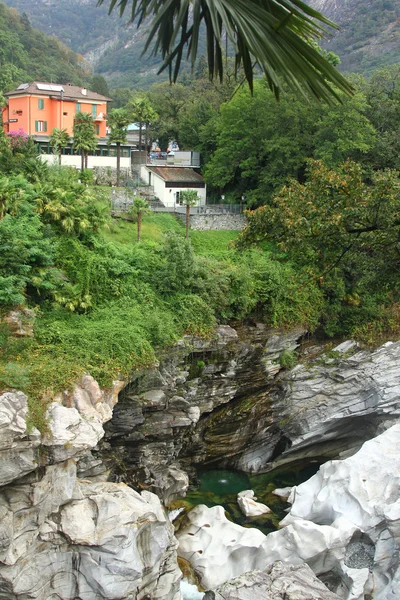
<point x="156" y="225"/>
<point x="213" y="243"/>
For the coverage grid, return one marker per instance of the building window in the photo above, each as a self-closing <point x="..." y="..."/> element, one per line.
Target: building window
<point x="41" y="104"/>
<point x="94" y="110"/>
<point x="78" y="107"/>
<point x="41" y="126"/>
<point x="97" y="129"/>
<point x="65" y="114"/>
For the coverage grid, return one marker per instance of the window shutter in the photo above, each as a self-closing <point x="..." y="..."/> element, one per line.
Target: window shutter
<point x="36" y="125"/>
<point x="44" y="125"/>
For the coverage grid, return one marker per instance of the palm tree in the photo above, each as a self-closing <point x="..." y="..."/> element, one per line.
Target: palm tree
<point x="273" y="35"/>
<point x="139" y="208"/>
<point x="149" y="117"/>
<point x="118" y="121"/>
<point x="59" y="139"/>
<point x="189" y="198"/>
<point x="85" y="139"/>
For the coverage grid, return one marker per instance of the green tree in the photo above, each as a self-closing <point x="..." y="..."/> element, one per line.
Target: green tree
<point x="141" y="111"/>
<point x="59" y="139"/>
<point x="331" y="219"/>
<point x="168" y="101"/>
<point x="261" y="143"/>
<point x="121" y="97"/>
<point x="343" y="233"/>
<point x="273" y="36"/>
<point x="99" y="85"/>
<point x="383" y="96"/>
<point x="188" y="198"/>
<point x="118" y="121"/>
<point x="138" y="209"/>
<point x="85" y="139"/>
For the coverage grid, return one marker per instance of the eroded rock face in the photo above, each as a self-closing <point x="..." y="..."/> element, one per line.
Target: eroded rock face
<point x="344" y="523"/>
<point x="20" y="322"/>
<point x="71" y="432"/>
<point x="248" y="505"/>
<point x="330" y="406"/>
<point x="364" y="489"/>
<point x="66" y="538"/>
<point x="227" y="402"/>
<point x="170" y="415"/>
<point x="278" y="582"/>
<point x="62" y="537"/>
<point x="220" y="550"/>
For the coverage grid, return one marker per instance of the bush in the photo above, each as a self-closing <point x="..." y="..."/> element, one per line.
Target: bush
<point x="288" y="359"/>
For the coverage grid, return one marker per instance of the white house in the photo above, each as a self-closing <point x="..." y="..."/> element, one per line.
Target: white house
<point x="169" y="182"/>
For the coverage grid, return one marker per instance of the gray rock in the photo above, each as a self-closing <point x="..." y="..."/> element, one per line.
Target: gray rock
<point x="278" y="582"/>
<point x="20" y="322"/>
<point x="65" y="538"/>
<point x="18" y="448"/>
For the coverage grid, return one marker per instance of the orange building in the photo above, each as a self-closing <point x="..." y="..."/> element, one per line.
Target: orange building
<point x="38" y="108"/>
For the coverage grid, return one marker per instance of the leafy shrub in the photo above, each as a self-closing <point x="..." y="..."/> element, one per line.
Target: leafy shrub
<point x="288" y="359"/>
<point x="14" y="375"/>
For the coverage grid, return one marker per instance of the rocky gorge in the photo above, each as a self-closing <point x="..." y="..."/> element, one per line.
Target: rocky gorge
<point x="82" y="503"/>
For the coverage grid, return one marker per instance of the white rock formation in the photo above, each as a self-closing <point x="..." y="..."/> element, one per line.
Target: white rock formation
<point x="220" y="550"/>
<point x="248" y="505"/>
<point x="365" y="490"/>
<point x="61" y="537"/>
<point x="344" y="523"/>
<point x="66" y="538"/>
<point x="278" y="582"/>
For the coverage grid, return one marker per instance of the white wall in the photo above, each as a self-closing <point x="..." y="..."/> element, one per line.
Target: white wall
<point x="168" y="195"/>
<point x="74" y="160"/>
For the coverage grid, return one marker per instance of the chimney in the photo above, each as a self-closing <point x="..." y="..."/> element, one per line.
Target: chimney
<point x="84" y="91"/>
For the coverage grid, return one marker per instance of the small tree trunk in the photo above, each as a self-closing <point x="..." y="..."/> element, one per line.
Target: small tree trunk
<point x="59" y="156"/>
<point x="187" y="220"/>
<point x="118" y="162"/>
<point x="82" y="161"/>
<point x="140" y="136"/>
<point x="147" y="138"/>
<point x="86" y="159"/>
<point x="139" y="225"/>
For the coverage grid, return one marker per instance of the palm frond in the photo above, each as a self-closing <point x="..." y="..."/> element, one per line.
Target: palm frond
<point x="272" y="35"/>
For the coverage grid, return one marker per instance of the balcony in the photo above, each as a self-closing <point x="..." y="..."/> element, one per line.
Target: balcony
<point x="100" y="118"/>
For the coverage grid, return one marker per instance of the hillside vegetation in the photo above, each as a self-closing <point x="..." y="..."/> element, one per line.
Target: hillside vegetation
<point x="106" y="304"/>
<point x="368" y="37"/>
<point x="27" y="54"/>
<point x="369" y="33"/>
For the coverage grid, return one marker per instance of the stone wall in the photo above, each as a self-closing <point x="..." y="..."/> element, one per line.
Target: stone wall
<point x="217" y="221"/>
<point x="108" y="175"/>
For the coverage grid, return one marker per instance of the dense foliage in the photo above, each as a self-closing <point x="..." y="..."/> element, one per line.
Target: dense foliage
<point x="342" y="232"/>
<point x="22" y="49"/>
<point x="107" y="307"/>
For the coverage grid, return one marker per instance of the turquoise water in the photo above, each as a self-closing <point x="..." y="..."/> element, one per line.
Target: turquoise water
<point x="221" y="486"/>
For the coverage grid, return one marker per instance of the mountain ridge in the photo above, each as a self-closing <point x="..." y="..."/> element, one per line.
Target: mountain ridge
<point x="368" y="38"/>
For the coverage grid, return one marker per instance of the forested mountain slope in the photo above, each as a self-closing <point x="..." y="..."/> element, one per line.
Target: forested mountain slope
<point x="27" y="53"/>
<point x="369" y="36"/>
<point x="370" y="32"/>
<point x="109" y="44"/>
